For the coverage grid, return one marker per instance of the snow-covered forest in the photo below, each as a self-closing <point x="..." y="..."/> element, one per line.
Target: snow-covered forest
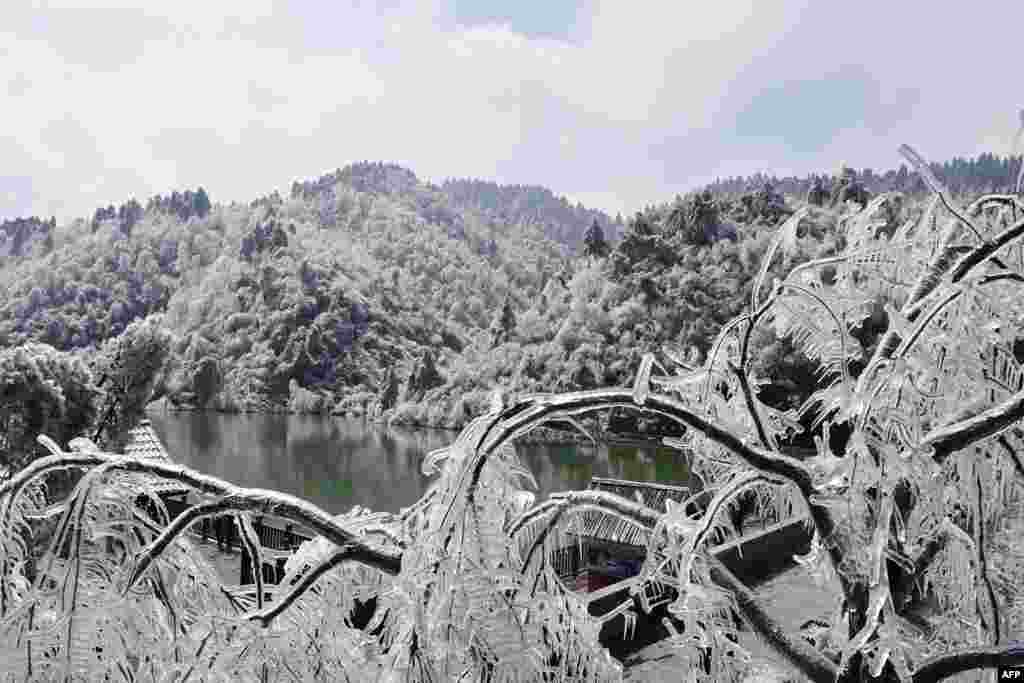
<point x="881" y="328"/>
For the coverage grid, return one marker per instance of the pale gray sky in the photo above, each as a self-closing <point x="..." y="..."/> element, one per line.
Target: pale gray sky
<point x="616" y="103"/>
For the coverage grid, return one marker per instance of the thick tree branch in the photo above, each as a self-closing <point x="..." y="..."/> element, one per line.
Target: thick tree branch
<point x="951" y="438"/>
<point x="951" y="664"/>
<point x="798" y="652"/>
<point x="543" y="408"/>
<point x="252" y="500"/>
<point x="530" y="411"/>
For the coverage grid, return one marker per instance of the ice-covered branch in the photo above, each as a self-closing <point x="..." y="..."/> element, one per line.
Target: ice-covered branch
<point x="560" y="503"/>
<point x="588" y="401"/>
<point x="295" y="591"/>
<point x="252" y="546"/>
<point x="953" y="437"/>
<point x="943" y="666"/>
<point x="1012" y="454"/>
<point x="944" y="261"/>
<point x="729" y="491"/>
<point x="748" y="400"/>
<point x="989" y="606"/>
<point x="798" y="652"/>
<point x="983" y="251"/>
<point x="533" y="410"/>
<point x="252" y="500"/>
<point x="177" y="527"/>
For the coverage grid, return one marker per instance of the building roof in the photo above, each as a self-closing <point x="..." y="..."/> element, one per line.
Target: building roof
<point x="605" y="527"/>
<point x="144" y="443"/>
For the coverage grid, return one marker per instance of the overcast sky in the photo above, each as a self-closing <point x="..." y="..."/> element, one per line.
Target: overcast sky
<point x="615" y="103"/>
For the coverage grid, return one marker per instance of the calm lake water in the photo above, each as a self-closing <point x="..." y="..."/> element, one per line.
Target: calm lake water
<point x="337" y="462"/>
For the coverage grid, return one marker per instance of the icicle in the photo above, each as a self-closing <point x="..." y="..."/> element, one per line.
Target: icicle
<point x="642" y="386"/>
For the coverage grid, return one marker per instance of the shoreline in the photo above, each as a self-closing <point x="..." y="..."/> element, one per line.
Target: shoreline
<point x="540" y="435"/>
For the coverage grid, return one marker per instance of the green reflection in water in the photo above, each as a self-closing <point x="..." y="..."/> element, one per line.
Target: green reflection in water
<point x="576" y="474"/>
<point x="653" y="463"/>
<point x="671" y="465"/>
<point x="569" y="454"/>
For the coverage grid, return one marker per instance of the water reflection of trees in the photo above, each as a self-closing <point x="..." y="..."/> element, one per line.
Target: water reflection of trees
<point x="337" y="463"/>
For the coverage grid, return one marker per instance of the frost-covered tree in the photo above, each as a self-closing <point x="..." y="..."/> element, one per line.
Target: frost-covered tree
<point x="42" y="390"/>
<point x="503" y="325"/>
<point x="128" y="369"/>
<point x="915" y="513"/>
<point x="594" y="244"/>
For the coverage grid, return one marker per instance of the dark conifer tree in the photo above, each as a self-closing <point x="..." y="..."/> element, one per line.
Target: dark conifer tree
<point x="594" y="244"/>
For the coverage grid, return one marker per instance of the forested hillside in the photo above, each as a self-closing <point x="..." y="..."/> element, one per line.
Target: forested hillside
<point x="369" y="291"/>
<point x="984" y="173"/>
